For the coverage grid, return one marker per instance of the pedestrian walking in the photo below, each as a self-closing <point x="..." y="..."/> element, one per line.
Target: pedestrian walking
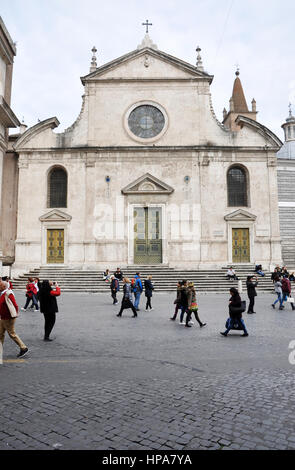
<point x="279" y="292"/>
<point x="137" y="289"/>
<point x="127" y="298"/>
<point x="177" y="300"/>
<point x="192" y="307"/>
<point x="286" y="289"/>
<point x="148" y="287"/>
<point x="31" y="292"/>
<point x="235" y="320"/>
<point x="8" y="315"/>
<point x="48" y="305"/>
<point x="183" y="301"/>
<point x="251" y="284"/>
<point x="114" y="286"/>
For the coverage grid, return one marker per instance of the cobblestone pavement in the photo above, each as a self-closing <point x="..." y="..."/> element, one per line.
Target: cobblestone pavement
<point x="149" y="383"/>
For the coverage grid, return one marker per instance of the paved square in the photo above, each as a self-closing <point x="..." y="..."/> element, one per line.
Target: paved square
<point x="149" y="383"/>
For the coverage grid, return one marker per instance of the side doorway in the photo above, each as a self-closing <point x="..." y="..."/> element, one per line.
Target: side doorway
<point x="240" y="245"/>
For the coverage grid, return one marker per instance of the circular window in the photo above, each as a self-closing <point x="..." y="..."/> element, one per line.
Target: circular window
<point x="146" y="121"/>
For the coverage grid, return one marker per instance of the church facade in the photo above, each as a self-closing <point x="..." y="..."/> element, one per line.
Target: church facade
<point x="147" y="175"/>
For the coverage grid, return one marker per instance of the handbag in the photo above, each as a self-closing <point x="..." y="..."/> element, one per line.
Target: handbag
<point x="193" y="307"/>
<point x="11" y="307"/>
<point x="290" y="299"/>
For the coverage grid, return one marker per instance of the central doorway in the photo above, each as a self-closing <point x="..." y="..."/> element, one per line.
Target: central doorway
<point x="147" y="235"/>
<point x="55" y="246"/>
<point x="241" y="245"/>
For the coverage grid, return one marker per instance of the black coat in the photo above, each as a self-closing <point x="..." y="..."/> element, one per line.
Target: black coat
<point x="148" y="285"/>
<point x="235" y="307"/>
<point x="251" y="288"/>
<point x="48" y="303"/>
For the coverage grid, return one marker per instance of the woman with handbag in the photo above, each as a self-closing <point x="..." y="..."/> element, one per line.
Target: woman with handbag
<point x="48" y="305"/>
<point x="235" y="314"/>
<point x="127" y="298"/>
<point x="192" y="307"/>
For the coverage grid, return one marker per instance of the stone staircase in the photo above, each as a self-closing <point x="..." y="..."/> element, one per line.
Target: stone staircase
<point x="164" y="278"/>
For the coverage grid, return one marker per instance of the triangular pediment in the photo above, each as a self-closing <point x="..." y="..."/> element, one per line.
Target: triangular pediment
<point x="240" y="214"/>
<point x="147" y="63"/>
<point x="55" y="216"/>
<point x="147" y="184"/>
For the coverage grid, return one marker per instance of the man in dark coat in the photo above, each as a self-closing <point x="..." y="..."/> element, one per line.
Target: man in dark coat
<point x="251" y="285"/>
<point x="148" y="286"/>
<point x="114" y="286"/>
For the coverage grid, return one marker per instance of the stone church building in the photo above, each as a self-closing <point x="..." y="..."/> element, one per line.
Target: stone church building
<point x="147" y="174"/>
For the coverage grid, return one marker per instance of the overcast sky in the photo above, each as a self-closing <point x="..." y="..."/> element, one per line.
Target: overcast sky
<point x="55" y="37"/>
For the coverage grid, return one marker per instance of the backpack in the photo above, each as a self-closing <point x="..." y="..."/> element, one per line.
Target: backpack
<point x="133" y="282"/>
<point x="285" y="285"/>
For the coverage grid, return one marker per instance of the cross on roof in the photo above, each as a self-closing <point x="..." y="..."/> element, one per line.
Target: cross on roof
<point x="147" y="24"/>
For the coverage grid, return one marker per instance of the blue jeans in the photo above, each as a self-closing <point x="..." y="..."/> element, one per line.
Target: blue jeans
<point x="240" y="322"/>
<point x="279" y="299"/>
<point x="260" y="273"/>
<point x="137" y="299"/>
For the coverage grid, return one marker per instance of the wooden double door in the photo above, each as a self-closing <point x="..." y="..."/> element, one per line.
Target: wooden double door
<point x="240" y="245"/>
<point x="147" y="235"/>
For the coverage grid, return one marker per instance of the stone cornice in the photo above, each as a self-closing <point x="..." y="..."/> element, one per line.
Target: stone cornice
<point x="261" y="129"/>
<point x="7" y="116"/>
<point x="153" y="52"/>
<point x="7" y="46"/>
<point x="152" y="149"/>
<point x="50" y="123"/>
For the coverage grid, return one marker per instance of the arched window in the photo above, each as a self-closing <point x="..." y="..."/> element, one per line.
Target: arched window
<point x="57" y="188"/>
<point x="237" y="187"/>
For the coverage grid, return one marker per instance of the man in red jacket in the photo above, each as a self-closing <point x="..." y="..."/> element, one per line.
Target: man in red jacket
<point x="7" y="321"/>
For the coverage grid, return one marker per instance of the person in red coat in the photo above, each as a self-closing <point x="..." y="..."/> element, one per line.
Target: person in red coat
<point x="7" y="321"/>
<point x="31" y="293"/>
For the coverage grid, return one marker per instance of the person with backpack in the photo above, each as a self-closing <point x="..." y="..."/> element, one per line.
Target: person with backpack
<point x="8" y="315"/>
<point x="127" y="298"/>
<point x="114" y="286"/>
<point x="137" y="289"/>
<point x="148" y="286"/>
<point x="286" y="288"/>
<point x="235" y="314"/>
